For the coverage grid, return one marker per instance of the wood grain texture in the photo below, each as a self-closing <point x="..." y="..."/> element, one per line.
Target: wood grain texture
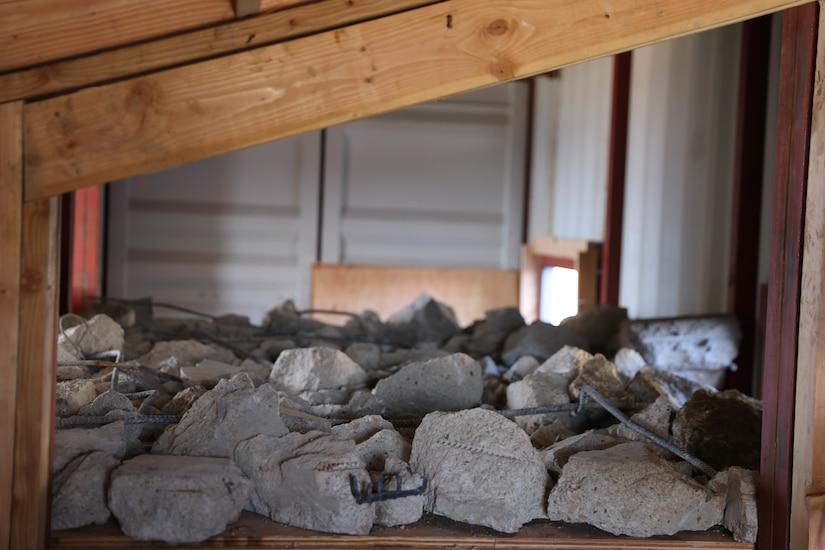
<point x="385" y="290"/>
<point x="186" y="114"/>
<point x="796" y="72"/>
<point x="36" y="376"/>
<point x="809" y="414"/>
<point x="194" y="46"/>
<point x="11" y="189"/>
<point x="253" y="531"/>
<point x="35" y="32"/>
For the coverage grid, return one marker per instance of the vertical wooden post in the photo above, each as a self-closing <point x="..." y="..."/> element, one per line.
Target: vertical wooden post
<point x="11" y="201"/>
<point x="796" y="73"/>
<point x="617" y="162"/>
<point x="808" y="489"/>
<point x="36" y="375"/>
<point x="747" y="194"/>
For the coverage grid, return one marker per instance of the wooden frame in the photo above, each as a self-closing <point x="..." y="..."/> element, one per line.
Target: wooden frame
<point x="159" y="120"/>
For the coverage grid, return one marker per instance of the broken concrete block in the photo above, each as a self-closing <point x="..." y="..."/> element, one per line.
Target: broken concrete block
<point x="488" y="336"/>
<point x="539" y="340"/>
<point x="645" y="388"/>
<point x="550" y="433"/>
<point x="702" y="346"/>
<point x="73" y="372"/>
<point x="177" y="498"/>
<point x="482" y="469"/>
<point x="232" y="411"/>
<point x="121" y="314"/>
<point x="183" y="400"/>
<point x="106" y="402"/>
<point x="209" y="372"/>
<point x="169" y="356"/>
<point x="557" y="455"/>
<point x="365" y="354"/>
<point x="115" y="439"/>
<point x="521" y="368"/>
<point x="376" y="440"/>
<point x="631" y="491"/>
<point x="599" y="326"/>
<point x="723" y="429"/>
<point x="78" y="491"/>
<point x="400" y="511"/>
<point x="304" y="480"/>
<point x="600" y="374"/>
<point x="423" y="320"/>
<point x="318" y="368"/>
<point x="73" y="395"/>
<point x="447" y="384"/>
<point x="271" y="349"/>
<point x="740" y="488"/>
<point x="98" y="334"/>
<point x="656" y="417"/>
<point x="628" y="362"/>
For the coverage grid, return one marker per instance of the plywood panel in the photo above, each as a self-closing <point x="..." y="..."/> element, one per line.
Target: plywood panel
<point x="36" y="375"/>
<point x="181" y="115"/>
<point x="385" y="290"/>
<point x="11" y="191"/>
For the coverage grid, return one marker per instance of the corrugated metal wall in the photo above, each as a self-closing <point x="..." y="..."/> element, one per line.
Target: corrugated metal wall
<point x="679" y="173"/>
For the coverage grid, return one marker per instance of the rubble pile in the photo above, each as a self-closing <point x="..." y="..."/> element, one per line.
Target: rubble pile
<point x="174" y="426"/>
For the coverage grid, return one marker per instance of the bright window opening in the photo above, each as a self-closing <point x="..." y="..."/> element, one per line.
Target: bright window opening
<point x="559" y="297"/>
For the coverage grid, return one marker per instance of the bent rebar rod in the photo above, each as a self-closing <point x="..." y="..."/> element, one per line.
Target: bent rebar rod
<point x="587" y="391"/>
<point x="95" y="421"/>
<point x="368" y="495"/>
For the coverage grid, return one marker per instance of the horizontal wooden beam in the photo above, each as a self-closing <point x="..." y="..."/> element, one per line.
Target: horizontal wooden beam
<point x="186" y="114"/>
<point x="194" y="46"/>
<point x="35" y="32"/>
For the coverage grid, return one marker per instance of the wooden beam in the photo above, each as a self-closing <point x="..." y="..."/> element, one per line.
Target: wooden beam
<point x="11" y="191"/>
<point x="743" y="280"/>
<point x="796" y="73"/>
<point x="611" y="257"/>
<point x="36" y="375"/>
<point x="194" y="46"/>
<point x="35" y="32"/>
<point x="809" y="414"/>
<point x="245" y="8"/>
<point x="182" y="115"/>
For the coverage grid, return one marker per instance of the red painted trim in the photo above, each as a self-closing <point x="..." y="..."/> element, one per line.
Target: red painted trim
<point x="85" y="247"/>
<point x="747" y="194"/>
<point x="796" y="76"/>
<point x="617" y="161"/>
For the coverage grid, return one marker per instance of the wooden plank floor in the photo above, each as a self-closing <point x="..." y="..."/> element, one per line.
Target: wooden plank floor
<point x="254" y="531"/>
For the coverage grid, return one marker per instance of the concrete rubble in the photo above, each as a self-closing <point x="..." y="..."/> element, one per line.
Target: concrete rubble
<point x="482" y="469"/>
<point x="200" y="496"/>
<point x="317" y="426"/>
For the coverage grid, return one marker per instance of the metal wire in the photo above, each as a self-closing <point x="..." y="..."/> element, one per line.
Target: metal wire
<point x="377" y="494"/>
<point x="83" y="321"/>
<point x="96" y="421"/>
<point x="587" y="391"/>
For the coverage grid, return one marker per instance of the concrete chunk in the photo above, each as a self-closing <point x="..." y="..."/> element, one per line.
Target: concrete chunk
<point x="319" y="368"/>
<point x="232" y="411"/>
<point x="115" y="439"/>
<point x="631" y="491"/>
<point x="423" y="320"/>
<point x="539" y="340"/>
<point x="98" y="334"/>
<point x="304" y="480"/>
<point x="72" y="395"/>
<point x="445" y="384"/>
<point x="78" y="491"/>
<point x="740" y="488"/>
<point x="401" y="511"/>
<point x="177" y="498"/>
<point x="209" y="372"/>
<point x="482" y="469"/>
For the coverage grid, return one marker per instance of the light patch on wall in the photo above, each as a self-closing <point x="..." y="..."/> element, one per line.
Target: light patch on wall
<point x="559" y="294"/>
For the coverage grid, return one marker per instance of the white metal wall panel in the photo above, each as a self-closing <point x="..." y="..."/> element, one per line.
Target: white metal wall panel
<point x="234" y="233"/>
<point x="582" y="140"/>
<point x="679" y="175"/>
<point x="439" y="184"/>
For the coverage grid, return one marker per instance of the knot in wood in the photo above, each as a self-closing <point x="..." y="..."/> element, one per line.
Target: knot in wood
<point x="497" y="27"/>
